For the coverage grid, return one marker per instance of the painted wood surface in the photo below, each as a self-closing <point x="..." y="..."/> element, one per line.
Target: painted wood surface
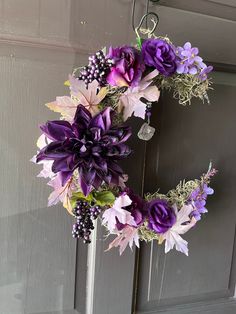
<point x="194" y="136"/>
<point x="41" y="270"/>
<point x="87" y="25"/>
<point x="37" y="263"/>
<point x="113" y="279"/>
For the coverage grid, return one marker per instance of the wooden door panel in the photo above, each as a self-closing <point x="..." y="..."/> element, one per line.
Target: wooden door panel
<point x="187" y="139"/>
<point x="208" y="8"/>
<point x="230" y="3"/>
<point x="38" y="254"/>
<point x="110" y="283"/>
<point x="42" y="269"/>
<point x="210" y="26"/>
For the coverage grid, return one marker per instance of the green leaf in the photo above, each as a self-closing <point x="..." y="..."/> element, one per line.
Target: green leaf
<point x="139" y="42"/>
<point x="104" y="198"/>
<point x="79" y="196"/>
<point x="100" y="198"/>
<point x="73" y="202"/>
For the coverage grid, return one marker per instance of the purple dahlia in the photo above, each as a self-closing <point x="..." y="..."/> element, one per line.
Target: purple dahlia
<point x="90" y="144"/>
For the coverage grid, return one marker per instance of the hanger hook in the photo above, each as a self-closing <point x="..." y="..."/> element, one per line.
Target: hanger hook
<point x="155" y="20"/>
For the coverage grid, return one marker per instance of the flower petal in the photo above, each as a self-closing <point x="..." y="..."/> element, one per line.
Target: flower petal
<point x="122" y="201"/>
<point x="193" y="70"/>
<point x="187" y="45"/>
<point x="114" y="78"/>
<point x="151" y="93"/>
<point x="128" y="235"/>
<point x="57" y="130"/>
<point x="82" y="117"/>
<point x="174" y="239"/>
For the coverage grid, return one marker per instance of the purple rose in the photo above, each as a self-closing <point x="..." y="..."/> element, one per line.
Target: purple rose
<point x="137" y="209"/>
<point x="128" y="66"/>
<point x="159" y="54"/>
<point x="161" y="216"/>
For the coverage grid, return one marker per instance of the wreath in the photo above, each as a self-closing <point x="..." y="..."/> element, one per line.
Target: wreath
<point x="80" y="153"/>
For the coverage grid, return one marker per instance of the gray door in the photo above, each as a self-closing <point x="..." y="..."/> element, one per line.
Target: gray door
<point x="37" y="253"/>
<point x="43" y="270"/>
<point x="187" y="139"/>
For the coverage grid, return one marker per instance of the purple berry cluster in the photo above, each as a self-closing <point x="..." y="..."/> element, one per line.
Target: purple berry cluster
<point x="85" y="214"/>
<point x="97" y="69"/>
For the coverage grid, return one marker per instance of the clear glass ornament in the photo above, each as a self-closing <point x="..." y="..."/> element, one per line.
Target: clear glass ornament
<point x="146" y="132"/>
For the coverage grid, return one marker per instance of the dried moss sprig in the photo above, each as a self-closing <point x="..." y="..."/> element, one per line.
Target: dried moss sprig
<point x="112" y="100"/>
<point x="177" y="196"/>
<point x="146" y="234"/>
<point x="181" y="193"/>
<point x="113" y="96"/>
<point x="185" y="87"/>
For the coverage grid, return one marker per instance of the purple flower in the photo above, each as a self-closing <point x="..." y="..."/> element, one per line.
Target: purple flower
<point x="90" y="144"/>
<point x="161" y="216"/>
<point x="203" y="74"/>
<point x="198" y="199"/>
<point x="137" y="209"/>
<point x="128" y="66"/>
<point x="188" y="62"/>
<point x="159" y="54"/>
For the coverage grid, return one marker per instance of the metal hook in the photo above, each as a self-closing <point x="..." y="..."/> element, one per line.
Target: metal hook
<point x="145" y="16"/>
<point x="155" y="22"/>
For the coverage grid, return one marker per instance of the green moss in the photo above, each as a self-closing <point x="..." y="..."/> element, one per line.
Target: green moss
<point x="184" y="87"/>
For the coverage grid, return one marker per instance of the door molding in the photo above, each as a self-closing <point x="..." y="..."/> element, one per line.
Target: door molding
<point x="193" y="304"/>
<point x="216" y="307"/>
<point x="216" y="8"/>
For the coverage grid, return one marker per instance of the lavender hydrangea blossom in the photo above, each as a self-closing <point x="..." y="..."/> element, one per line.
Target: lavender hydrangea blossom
<point x="203" y="74"/>
<point x="189" y="62"/>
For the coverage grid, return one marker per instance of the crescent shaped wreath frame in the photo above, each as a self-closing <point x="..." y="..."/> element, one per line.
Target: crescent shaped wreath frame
<point x="80" y="152"/>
